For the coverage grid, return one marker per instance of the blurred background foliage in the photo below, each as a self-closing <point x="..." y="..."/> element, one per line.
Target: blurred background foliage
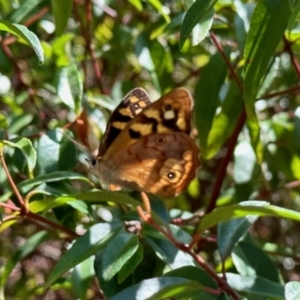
<point x="65" y="65"/>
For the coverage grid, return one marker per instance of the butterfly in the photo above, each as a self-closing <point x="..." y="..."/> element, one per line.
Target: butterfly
<point x="147" y="146"/>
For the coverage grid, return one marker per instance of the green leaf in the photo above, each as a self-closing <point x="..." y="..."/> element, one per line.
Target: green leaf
<point x="29" y="184"/>
<point x="207" y="96"/>
<point x="295" y="14"/>
<point x="131" y="264"/>
<point x="120" y="249"/>
<point x="28" y="247"/>
<point x="199" y="12"/>
<point x="168" y="253"/>
<point x="292" y="290"/>
<point x="142" y="49"/>
<point x="56" y="152"/>
<point x="114" y="197"/>
<point x="245" y="162"/>
<point x="82" y="275"/>
<point x="230" y="232"/>
<point x="94" y="239"/>
<point x="3" y="122"/>
<point x="26" y="36"/>
<point x="70" y="88"/>
<point x="255" y="285"/>
<point x="251" y="261"/>
<point x="27" y="149"/>
<point x="242" y="21"/>
<point x="137" y="4"/>
<point x="61" y="49"/>
<point x="158" y="288"/>
<point x="225" y="121"/>
<point x="201" y="29"/>
<point x="243" y="209"/>
<point x="45" y="205"/>
<point x="195" y="274"/>
<point x="61" y="12"/>
<point x="263" y="37"/>
<point x="24" y="9"/>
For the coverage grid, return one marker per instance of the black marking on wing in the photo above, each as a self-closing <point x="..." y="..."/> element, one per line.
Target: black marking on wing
<point x="146" y="120"/>
<point x="170" y="123"/>
<point x="134" y="134"/>
<point x="112" y="132"/>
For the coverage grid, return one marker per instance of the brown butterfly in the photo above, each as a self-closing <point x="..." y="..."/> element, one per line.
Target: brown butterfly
<point x="147" y="146"/>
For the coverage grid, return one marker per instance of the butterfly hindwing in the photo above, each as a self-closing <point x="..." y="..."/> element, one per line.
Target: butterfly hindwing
<point x="131" y="105"/>
<point x="161" y="164"/>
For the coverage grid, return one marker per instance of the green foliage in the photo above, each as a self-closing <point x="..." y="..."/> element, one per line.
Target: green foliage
<point x="65" y="65"/>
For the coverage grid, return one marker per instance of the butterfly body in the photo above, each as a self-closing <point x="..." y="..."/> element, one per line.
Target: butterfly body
<point x="153" y="151"/>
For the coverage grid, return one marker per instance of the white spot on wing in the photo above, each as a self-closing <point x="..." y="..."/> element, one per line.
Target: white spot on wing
<point x="169" y="114"/>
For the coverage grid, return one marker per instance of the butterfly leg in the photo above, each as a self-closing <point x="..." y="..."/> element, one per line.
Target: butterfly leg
<point x="145" y="214"/>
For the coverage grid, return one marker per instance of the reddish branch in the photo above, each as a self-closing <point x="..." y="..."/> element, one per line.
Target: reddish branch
<point x="222" y="283"/>
<point x="242" y="118"/>
<point x="86" y="33"/>
<point x="288" y="49"/>
<point x="23" y="209"/>
<point x="221" y="173"/>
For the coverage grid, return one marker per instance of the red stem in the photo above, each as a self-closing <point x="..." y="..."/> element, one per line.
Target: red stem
<point x="232" y="140"/>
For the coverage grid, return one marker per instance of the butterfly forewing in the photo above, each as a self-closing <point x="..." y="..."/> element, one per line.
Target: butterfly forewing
<point x="131" y="105"/>
<point x="171" y="113"/>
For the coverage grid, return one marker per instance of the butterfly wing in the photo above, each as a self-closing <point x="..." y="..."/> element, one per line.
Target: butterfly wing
<point x="161" y="164"/>
<point x="131" y="105"/>
<point x="171" y="113"/>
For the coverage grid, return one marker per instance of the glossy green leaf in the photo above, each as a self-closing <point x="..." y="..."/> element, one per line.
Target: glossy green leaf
<point x="158" y="288"/>
<point x="56" y="152"/>
<point x="25" y="8"/>
<point x="29" y="184"/>
<point x="61" y="11"/>
<point x="255" y="285"/>
<point x="45" y="205"/>
<point x="225" y="121"/>
<point x="250" y="260"/>
<point x="295" y="7"/>
<point x="264" y="35"/>
<point x="131" y="264"/>
<point x="70" y="88"/>
<point x="195" y="274"/>
<point x="61" y="50"/>
<point x="207" y="96"/>
<point x="200" y="31"/>
<point x="168" y="253"/>
<point x="27" y="149"/>
<point x="292" y="290"/>
<point x="229" y="232"/>
<point x="199" y="11"/>
<point x="82" y="275"/>
<point x="245" y="162"/>
<point x="117" y="253"/>
<point x="115" y="197"/>
<point x="26" y="36"/>
<point x="94" y="239"/>
<point x="243" y="209"/>
<point x="142" y="49"/>
<point x="242" y="21"/>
